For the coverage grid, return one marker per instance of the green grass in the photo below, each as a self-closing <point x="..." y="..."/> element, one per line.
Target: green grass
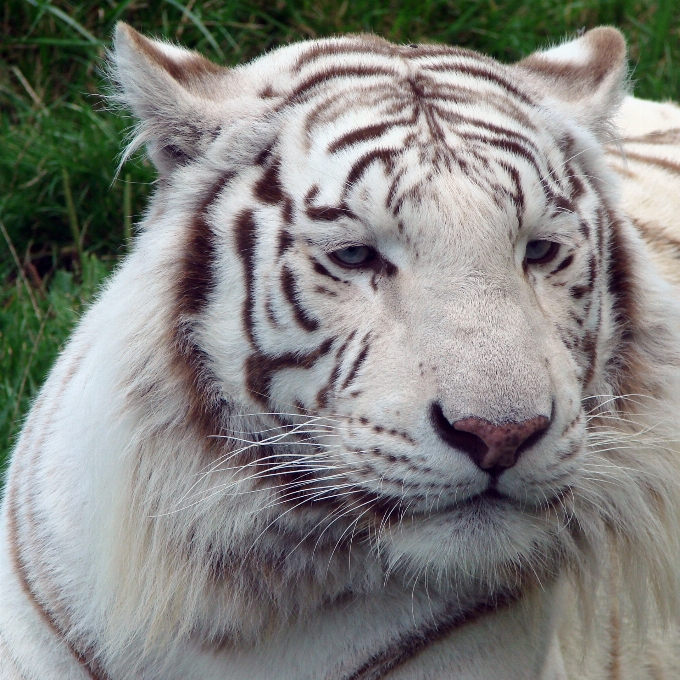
<point x="62" y="209"/>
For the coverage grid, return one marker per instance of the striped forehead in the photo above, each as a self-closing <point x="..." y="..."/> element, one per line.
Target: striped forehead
<point x="364" y="106"/>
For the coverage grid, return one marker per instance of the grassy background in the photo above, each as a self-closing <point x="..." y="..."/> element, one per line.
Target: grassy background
<point x="64" y="221"/>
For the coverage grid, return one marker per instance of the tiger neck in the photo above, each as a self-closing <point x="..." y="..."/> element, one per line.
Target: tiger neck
<point x="406" y="635"/>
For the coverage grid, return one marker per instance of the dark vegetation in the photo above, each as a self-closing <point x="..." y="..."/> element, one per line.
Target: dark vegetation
<point x="64" y="215"/>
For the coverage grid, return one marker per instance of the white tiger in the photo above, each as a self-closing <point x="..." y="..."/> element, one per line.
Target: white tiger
<point x="387" y="380"/>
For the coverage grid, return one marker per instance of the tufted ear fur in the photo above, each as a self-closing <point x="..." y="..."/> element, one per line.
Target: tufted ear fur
<point x="178" y="96"/>
<point x="587" y="75"/>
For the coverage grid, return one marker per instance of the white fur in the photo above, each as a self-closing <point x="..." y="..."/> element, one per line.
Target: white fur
<point x="120" y="504"/>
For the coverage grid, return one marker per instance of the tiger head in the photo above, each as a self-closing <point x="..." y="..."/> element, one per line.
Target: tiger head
<point x="401" y="274"/>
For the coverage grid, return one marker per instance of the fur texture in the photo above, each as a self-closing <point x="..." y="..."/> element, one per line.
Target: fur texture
<point x="389" y="376"/>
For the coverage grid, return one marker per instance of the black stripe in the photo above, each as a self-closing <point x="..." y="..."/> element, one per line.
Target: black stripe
<point x="268" y="188"/>
<point x="518" y="196"/>
<point x="286" y="241"/>
<point x="324" y="392"/>
<point x="362" y="135"/>
<point x="325" y="213"/>
<point x="196" y="282"/>
<point x="508" y="145"/>
<point x="320" y="269"/>
<point x="365" y="45"/>
<point x="385" y="156"/>
<point x="246" y="241"/>
<point x="563" y="265"/>
<point x="260" y="368"/>
<point x="485" y="74"/>
<point x="322" y="77"/>
<point x="290" y="291"/>
<point x="357" y="363"/>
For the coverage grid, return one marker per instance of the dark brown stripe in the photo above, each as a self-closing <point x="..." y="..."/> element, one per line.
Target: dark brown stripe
<point x="85" y="660"/>
<point x="361" y="135"/>
<point x="577" y="292"/>
<point x="324" y="213"/>
<point x="385" y="156"/>
<point x="286" y="241"/>
<point x="619" y="274"/>
<point x="322" y="77"/>
<point x="268" y="188"/>
<point x="518" y="196"/>
<point x="563" y="204"/>
<point x="369" y="45"/>
<point x="656" y="235"/>
<point x="246" y="242"/>
<point x="413" y="642"/>
<point x="663" y="137"/>
<point x="589" y="348"/>
<point x="357" y="363"/>
<point x="290" y="291"/>
<point x="196" y="278"/>
<point x="652" y="160"/>
<point x="260" y="368"/>
<point x="509" y="146"/>
<point x="461" y="119"/>
<point x="487" y="75"/>
<point x="206" y="408"/>
<point x="320" y="269"/>
<point x="563" y="265"/>
<point x="325" y="291"/>
<point x="576" y="184"/>
<point x="324" y="392"/>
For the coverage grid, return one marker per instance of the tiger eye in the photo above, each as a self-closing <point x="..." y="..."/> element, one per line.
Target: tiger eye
<point x="541" y="251"/>
<point x="353" y="256"/>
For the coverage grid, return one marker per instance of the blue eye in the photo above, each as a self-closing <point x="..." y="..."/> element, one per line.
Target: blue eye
<point x="353" y="256"/>
<point x="541" y="251"/>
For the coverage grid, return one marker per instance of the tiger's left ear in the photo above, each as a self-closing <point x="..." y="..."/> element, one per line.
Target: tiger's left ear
<point x="180" y="99"/>
<point x="587" y="75"/>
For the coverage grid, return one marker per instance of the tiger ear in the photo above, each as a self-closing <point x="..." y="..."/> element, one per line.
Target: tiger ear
<point x="587" y="75"/>
<point x="174" y="93"/>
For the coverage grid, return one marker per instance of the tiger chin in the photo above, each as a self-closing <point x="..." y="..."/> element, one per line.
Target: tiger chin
<point x="387" y="386"/>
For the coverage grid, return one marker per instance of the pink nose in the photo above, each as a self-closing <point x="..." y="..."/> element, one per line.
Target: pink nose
<point x="501" y="442"/>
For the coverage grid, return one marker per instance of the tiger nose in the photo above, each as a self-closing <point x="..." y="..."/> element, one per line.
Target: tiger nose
<point x="502" y="442"/>
<point x="491" y="447"/>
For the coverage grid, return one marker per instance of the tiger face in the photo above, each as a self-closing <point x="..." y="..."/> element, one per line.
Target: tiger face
<point x="400" y="262"/>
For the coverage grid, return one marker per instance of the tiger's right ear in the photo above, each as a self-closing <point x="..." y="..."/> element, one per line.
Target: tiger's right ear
<point x="586" y="75"/>
<point x="177" y="95"/>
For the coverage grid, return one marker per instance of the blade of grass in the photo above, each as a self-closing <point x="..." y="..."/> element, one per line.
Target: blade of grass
<point x="199" y="25"/>
<point x="27" y="86"/>
<point x="662" y="24"/>
<point x="55" y="11"/>
<point x="29" y="361"/>
<point x="72" y="215"/>
<point x="20" y="269"/>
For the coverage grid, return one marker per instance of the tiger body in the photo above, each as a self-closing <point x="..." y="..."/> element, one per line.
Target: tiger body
<point x="245" y="463"/>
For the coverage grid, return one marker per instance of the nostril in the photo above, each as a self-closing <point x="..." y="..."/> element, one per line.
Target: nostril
<point x="468" y="442"/>
<point x="490" y="446"/>
<point x="504" y="441"/>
